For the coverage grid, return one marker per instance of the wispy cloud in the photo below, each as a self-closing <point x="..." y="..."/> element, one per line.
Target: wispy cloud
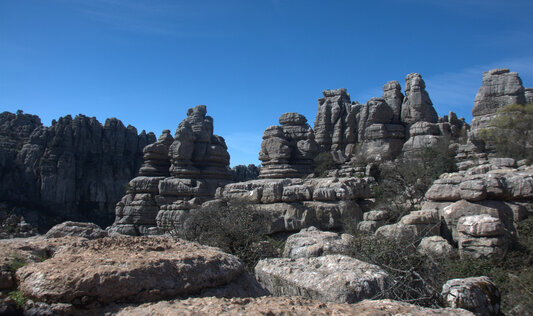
<point x="456" y="91"/>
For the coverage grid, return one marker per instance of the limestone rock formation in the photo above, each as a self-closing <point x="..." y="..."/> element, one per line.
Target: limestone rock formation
<point x="332" y="278"/>
<point x="417" y="106"/>
<point x="528" y="93"/>
<point x="75" y="169"/>
<point x="85" y="230"/>
<point x="335" y="126"/>
<point x="499" y="88"/>
<point x="478" y="295"/>
<point x="294" y="204"/>
<point x="285" y="305"/>
<point x="287" y="151"/>
<point x="392" y="94"/>
<point x="311" y="242"/>
<point x="198" y="163"/>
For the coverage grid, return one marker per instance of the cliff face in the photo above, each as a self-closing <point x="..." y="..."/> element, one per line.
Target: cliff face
<point x="75" y="169"/>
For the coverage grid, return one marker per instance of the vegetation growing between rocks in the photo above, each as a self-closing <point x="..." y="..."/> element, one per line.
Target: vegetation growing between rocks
<point x="403" y="183"/>
<point x="234" y="226"/>
<point x="16" y="262"/>
<point x="418" y="278"/>
<point x="510" y="133"/>
<point x="18" y="298"/>
<point x="323" y="162"/>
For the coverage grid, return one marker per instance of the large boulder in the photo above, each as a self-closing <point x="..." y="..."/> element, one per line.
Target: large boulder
<point x="85" y="230"/>
<point x="331" y="278"/>
<point x="286" y="305"/>
<point x="311" y="242"/>
<point x="478" y="295"/>
<point x="482" y="236"/>
<point x="91" y="273"/>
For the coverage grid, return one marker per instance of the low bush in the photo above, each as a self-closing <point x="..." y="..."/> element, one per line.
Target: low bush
<point x="323" y="162"/>
<point x="235" y="227"/>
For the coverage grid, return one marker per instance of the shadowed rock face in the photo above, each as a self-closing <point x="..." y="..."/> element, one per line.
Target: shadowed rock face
<point x="196" y="162"/>
<point x="75" y="169"/>
<point x="287" y="151"/>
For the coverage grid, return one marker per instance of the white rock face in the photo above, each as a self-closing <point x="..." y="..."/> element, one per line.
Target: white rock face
<point x="480" y="226"/>
<point x="436" y="247"/>
<point x="332" y="278"/>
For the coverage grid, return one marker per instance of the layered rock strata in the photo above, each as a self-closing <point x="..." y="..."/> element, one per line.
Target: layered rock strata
<point x="498" y="190"/>
<point x="198" y="163"/>
<point x="75" y="169"/>
<point x="311" y="242"/>
<point x="293" y="204"/>
<point x="287" y="151"/>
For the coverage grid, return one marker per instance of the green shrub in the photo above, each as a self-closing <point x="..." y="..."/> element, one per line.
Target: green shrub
<point x="18" y="297"/>
<point x="323" y="162"/>
<point x="510" y="133"/>
<point x="16" y="262"/>
<point x="236" y="227"/>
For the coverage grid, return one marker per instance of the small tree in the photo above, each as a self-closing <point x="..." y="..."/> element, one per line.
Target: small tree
<point x="510" y="133"/>
<point x="323" y="162"/>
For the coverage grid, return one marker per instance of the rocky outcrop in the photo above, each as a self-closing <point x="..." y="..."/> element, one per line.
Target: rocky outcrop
<point x="198" y="163"/>
<point x="287" y="151"/>
<point x="392" y="94"/>
<point x="75" y="169"/>
<point x="85" y="230"/>
<point x="285" y="305"/>
<point x="417" y="106"/>
<point x="335" y="126"/>
<point x="293" y="204"/>
<point x="311" y="242"/>
<point x="332" y="278"/>
<point x="83" y="276"/>
<point x="478" y="295"/>
<point x="383" y="128"/>
<point x="499" y="88"/>
<point x="481" y="206"/>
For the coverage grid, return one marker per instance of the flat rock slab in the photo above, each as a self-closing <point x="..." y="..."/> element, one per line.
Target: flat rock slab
<point x="126" y="269"/>
<point x="332" y="278"/>
<point x="311" y="242"/>
<point x="275" y="306"/>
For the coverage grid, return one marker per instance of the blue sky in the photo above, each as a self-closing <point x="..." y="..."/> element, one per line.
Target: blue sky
<point x="146" y="62"/>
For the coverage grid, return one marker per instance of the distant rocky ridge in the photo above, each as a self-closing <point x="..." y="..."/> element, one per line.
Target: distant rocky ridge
<point x="75" y="169"/>
<point x="383" y="128"/>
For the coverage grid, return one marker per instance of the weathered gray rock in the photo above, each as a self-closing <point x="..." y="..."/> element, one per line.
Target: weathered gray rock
<point x="499" y="88"/>
<point x="335" y="126"/>
<point x="75" y="169"/>
<point x="478" y="295"/>
<point x="311" y="242"/>
<point x="398" y="231"/>
<point x="436" y="247"/>
<point x="85" y="230"/>
<point x="528" y="93"/>
<point x="482" y="236"/>
<point x="332" y="278"/>
<point x="287" y="151"/>
<point x="156" y="159"/>
<point x="128" y="269"/>
<point x="392" y="94"/>
<point x="417" y="105"/>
